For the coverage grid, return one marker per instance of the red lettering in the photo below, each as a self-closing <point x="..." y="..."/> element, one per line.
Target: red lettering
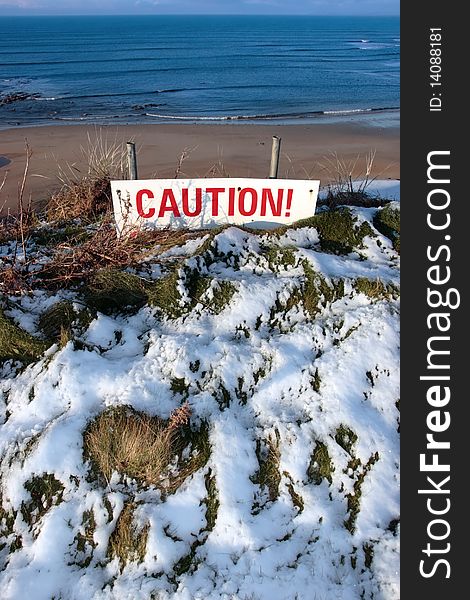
<point x="231" y="202"/>
<point x="267" y="195"/>
<point x="241" y="202"/>
<point x="289" y="201"/>
<point x="168" y="196"/>
<point x="140" y="208"/>
<point x="215" y="199"/>
<point x="197" y="210"/>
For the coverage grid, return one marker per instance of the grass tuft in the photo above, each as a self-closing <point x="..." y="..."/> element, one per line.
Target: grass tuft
<point x="111" y="290"/>
<point x="57" y="321"/>
<point x="17" y="344"/>
<point x="124" y="440"/>
<point x="142" y="447"/>
<point x="87" y="199"/>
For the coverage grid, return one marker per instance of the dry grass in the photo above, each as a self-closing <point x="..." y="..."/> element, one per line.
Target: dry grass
<point x="76" y="263"/>
<point x="124" y="440"/>
<point x="350" y="180"/>
<point x="79" y="256"/>
<point x="86" y="194"/>
<point x="86" y="199"/>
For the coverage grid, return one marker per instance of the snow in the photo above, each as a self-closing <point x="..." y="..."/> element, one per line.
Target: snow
<point x="277" y="552"/>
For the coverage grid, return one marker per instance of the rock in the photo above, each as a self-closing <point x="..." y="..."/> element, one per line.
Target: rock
<point x="16" y="97"/>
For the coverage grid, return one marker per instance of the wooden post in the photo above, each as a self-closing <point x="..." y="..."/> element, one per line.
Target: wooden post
<point x="131" y="160"/>
<point x="275" y="152"/>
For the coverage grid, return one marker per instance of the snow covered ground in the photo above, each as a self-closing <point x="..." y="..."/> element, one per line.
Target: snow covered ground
<point x="313" y="386"/>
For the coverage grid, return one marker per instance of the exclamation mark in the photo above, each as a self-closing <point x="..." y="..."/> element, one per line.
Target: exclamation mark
<point x="289" y="202"/>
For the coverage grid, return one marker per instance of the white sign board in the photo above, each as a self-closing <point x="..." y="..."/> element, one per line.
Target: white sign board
<point x="200" y="203"/>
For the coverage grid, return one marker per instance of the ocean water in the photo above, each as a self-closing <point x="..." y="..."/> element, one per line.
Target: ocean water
<point x="197" y="68"/>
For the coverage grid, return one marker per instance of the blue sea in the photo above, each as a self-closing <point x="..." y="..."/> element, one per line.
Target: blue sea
<point x="141" y="69"/>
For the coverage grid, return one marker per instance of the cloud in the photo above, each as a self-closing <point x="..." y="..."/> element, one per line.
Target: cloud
<point x="24" y="4"/>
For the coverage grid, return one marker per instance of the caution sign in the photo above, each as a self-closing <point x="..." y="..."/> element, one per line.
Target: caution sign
<point x="201" y="203"/>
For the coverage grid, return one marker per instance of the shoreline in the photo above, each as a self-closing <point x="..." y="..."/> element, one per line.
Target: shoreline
<point x="371" y="117"/>
<point x="229" y="149"/>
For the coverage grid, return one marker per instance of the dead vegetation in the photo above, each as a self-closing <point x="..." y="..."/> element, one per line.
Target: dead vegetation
<point x="130" y="442"/>
<point x="86" y="193"/>
<point x="350" y="181"/>
<point x="145" y="448"/>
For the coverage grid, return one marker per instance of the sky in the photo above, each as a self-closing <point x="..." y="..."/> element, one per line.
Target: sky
<point x="114" y="7"/>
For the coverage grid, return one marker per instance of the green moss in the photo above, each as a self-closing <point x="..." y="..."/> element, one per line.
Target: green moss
<point x="280" y="257"/>
<point x="222" y="396"/>
<point x="164" y="294"/>
<point x="127" y="542"/>
<point x="211" y="500"/>
<point x="188" y="562"/>
<point x="198" y="443"/>
<point x="375" y="288"/>
<point x="45" y="491"/>
<point x="207" y="245"/>
<point x="185" y="563"/>
<point x="338" y="231"/>
<point x="17" y="344"/>
<point x="321" y="466"/>
<point x="178" y="385"/>
<point x="387" y="221"/>
<point x="7" y="522"/>
<point x="259" y="374"/>
<point x="268" y="475"/>
<point x="316" y="381"/>
<point x="111" y="290"/>
<point x="368" y="549"/>
<point x="196" y="285"/>
<point x="85" y="543"/>
<point x="346" y="438"/>
<point x="61" y="317"/>
<point x="354" y="498"/>
<point x="222" y="295"/>
<point x="317" y="293"/>
<point x="296" y="498"/>
<point x="240" y="393"/>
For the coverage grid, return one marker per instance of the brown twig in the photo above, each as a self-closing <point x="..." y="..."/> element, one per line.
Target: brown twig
<point x="20" y="198"/>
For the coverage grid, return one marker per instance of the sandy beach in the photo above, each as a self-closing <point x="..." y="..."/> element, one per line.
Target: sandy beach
<point x="220" y="150"/>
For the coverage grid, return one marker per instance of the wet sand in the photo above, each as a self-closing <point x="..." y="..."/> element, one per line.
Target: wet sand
<point x="218" y="150"/>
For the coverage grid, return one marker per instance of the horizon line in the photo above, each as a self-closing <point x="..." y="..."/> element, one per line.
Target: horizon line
<point x="153" y="14"/>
